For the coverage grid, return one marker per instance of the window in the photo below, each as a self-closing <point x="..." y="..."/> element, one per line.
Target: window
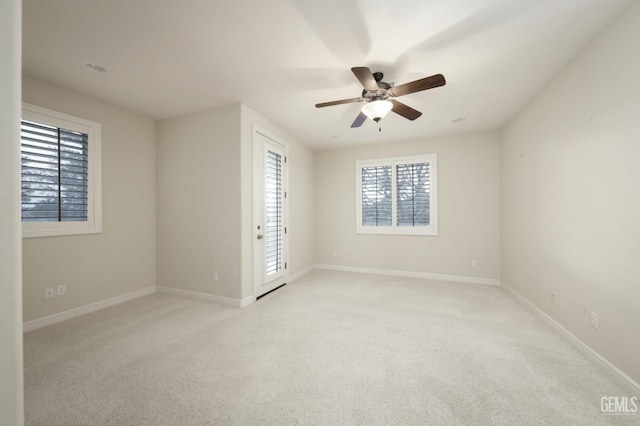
<point x="60" y="157"/>
<point x="273" y="201"/>
<point x="397" y="196"/>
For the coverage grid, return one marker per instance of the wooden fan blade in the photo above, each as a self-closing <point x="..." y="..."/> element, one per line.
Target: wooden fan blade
<point x="365" y="76"/>
<point x="418" y="85"/>
<point x="404" y="110"/>
<point x="361" y="118"/>
<point x="343" y="101"/>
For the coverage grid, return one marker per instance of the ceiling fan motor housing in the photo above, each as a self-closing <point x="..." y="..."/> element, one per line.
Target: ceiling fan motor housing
<point x="381" y="93"/>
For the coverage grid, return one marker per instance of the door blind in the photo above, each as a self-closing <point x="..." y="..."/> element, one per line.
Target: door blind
<point x="273" y="213"/>
<point x="54" y="173"/>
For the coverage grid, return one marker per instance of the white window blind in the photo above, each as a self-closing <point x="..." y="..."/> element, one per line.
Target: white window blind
<point x="376" y="196"/>
<point x="54" y="173"/>
<point x="413" y="192"/>
<point x="61" y="173"/>
<point x="274" y="216"/>
<point x="397" y="196"/>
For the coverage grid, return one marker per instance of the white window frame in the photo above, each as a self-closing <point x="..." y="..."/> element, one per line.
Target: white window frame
<point x="432" y="229"/>
<point x="94" y="214"/>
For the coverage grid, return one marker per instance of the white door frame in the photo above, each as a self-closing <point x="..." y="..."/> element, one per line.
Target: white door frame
<point x="260" y="285"/>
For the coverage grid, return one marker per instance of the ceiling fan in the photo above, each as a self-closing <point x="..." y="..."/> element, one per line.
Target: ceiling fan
<point x="379" y="95"/>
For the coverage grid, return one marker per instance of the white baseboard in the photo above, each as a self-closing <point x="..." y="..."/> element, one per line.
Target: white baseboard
<point x="300" y="274"/>
<point x="611" y="370"/>
<point x="82" y="310"/>
<point x="410" y="274"/>
<point x="247" y="301"/>
<point x="237" y="303"/>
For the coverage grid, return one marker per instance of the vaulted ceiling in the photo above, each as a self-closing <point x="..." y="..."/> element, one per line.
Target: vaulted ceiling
<point x="165" y="58"/>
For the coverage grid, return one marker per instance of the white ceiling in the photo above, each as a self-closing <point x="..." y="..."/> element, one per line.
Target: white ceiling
<point x="171" y="57"/>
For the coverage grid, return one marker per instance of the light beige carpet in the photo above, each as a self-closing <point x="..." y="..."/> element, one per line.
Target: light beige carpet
<point x="330" y="349"/>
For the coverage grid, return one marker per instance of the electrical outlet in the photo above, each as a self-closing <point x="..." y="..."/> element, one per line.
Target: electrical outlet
<point x="216" y="276"/>
<point x="554" y="295"/>
<point x="594" y="320"/>
<point x="61" y="290"/>
<point x="49" y="292"/>
<point x="474" y="263"/>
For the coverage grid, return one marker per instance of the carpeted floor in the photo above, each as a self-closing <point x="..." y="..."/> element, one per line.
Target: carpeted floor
<point x="330" y="349"/>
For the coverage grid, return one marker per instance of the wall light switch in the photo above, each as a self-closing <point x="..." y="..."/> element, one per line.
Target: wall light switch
<point x="49" y="292"/>
<point x="594" y="320"/>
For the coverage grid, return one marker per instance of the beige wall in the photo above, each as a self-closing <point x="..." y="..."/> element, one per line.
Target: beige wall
<point x="11" y="400"/>
<point x="198" y="168"/>
<point x="468" y="206"/>
<point x="301" y="200"/>
<point x="302" y="214"/>
<point x="122" y="258"/>
<point x="571" y="196"/>
<point x="206" y="159"/>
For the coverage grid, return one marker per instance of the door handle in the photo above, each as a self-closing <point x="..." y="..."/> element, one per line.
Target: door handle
<point x="260" y="236"/>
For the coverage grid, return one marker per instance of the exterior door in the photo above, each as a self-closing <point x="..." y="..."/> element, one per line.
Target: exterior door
<point x="270" y="228"/>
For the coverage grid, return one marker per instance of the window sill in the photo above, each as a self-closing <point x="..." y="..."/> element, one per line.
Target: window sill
<point x="41" y="230"/>
<point x="430" y="231"/>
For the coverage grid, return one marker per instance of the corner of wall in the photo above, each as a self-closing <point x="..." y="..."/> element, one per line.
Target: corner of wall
<point x="11" y="364"/>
